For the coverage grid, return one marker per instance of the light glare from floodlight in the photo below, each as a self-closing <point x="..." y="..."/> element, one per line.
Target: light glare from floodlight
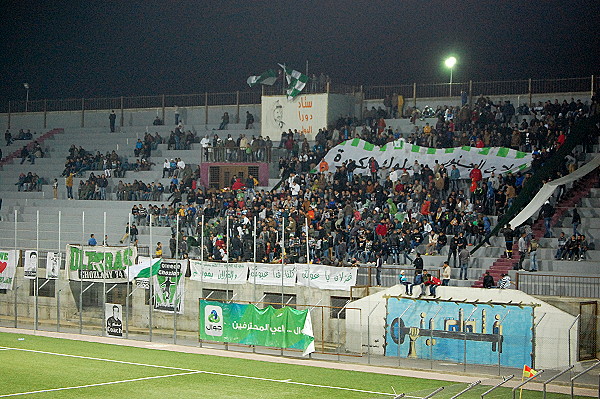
<point x="26" y="85"/>
<point x="450" y="62"/>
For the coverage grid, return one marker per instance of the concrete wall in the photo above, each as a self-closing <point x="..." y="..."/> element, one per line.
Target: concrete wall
<point x="325" y="328"/>
<point x="551" y="335"/>
<point x="131" y="117"/>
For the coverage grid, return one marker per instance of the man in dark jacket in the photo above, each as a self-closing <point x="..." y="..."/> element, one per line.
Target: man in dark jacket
<point x="509" y="235"/>
<point x="547" y="211"/>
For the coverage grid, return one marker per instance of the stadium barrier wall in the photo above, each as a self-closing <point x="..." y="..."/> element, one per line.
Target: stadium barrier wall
<point x="553" y="343"/>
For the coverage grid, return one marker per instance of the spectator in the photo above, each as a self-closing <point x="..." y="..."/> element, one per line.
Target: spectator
<point x="92" y="241"/>
<point x="112" y="118"/>
<point x="508" y="234"/>
<point x="504" y="282"/>
<point x="575" y="221"/>
<point x="533" y="247"/>
<point x="404" y="281"/>
<point x="488" y="280"/>
<point x="224" y="121"/>
<point x="561" y="251"/>
<point x="547" y="211"/>
<point x="446" y="273"/>
<point x="463" y="258"/>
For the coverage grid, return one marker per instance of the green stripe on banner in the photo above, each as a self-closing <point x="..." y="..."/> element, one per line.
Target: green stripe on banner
<point x="485" y="151"/>
<point x="415" y="148"/>
<point x="449" y="150"/>
<point x="383" y="148"/>
<point x="355" y="142"/>
<point x="431" y="150"/>
<point x="524" y="166"/>
<point x="369" y="146"/>
<point x="399" y="147"/>
<point x="520" y="154"/>
<point x="466" y="148"/>
<point x="502" y="152"/>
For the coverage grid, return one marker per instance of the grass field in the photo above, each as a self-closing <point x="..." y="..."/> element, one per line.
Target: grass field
<point x="41" y="367"/>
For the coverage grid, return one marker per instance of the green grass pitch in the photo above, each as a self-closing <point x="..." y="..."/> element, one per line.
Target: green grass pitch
<point x="57" y="368"/>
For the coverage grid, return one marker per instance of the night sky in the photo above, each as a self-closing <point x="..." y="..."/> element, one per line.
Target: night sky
<point x="96" y="49"/>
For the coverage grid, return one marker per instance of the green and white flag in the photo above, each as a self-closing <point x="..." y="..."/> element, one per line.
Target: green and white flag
<point x="168" y="285"/>
<point x="266" y="78"/>
<point x="296" y="81"/>
<point x="145" y="268"/>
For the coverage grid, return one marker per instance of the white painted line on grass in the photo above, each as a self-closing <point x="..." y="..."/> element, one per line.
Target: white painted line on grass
<point x="192" y="371"/>
<point x="96" y="385"/>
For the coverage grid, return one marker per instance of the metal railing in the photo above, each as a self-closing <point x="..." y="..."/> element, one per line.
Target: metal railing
<point x="558" y="285"/>
<point x="525" y="87"/>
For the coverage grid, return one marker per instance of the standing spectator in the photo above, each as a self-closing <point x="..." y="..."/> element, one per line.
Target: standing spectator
<point x="453" y="250"/>
<point x="575" y="221"/>
<point x="173" y="246"/>
<point x="562" y="241"/>
<point x="463" y="258"/>
<point x="547" y="211"/>
<point x="177" y="113"/>
<point x="24" y="154"/>
<point x="446" y="273"/>
<point x="533" y="247"/>
<point x="224" y="121"/>
<point x="8" y="138"/>
<point x="55" y="188"/>
<point x="509" y="235"/>
<point x="69" y="185"/>
<point x="133" y="233"/>
<point x="158" y="253"/>
<point x="112" y="119"/>
<point x="378" y="266"/>
<point x="92" y="241"/>
<point x="249" y="120"/>
<point x="125" y="235"/>
<point x="522" y="245"/>
<point x="454" y="178"/>
<point x="418" y="264"/>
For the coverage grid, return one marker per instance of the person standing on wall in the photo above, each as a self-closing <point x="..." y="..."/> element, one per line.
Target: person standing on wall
<point x="446" y="273"/>
<point x="69" y="185"/>
<point x="112" y="119"/>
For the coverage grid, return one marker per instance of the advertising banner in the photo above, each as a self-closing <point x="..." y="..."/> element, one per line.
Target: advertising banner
<point x="270" y="274"/>
<point x="217" y="272"/>
<point x="403" y="155"/>
<point x="249" y="325"/>
<point x="168" y="285"/>
<point x="52" y="265"/>
<point x="8" y="268"/>
<point x="326" y="277"/>
<point x="30" y="264"/>
<point x="94" y="263"/>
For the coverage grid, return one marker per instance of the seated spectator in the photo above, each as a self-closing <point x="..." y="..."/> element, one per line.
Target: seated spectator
<point x="488" y="280"/>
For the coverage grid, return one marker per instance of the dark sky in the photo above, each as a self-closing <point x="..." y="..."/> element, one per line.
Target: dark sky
<point x="111" y="48"/>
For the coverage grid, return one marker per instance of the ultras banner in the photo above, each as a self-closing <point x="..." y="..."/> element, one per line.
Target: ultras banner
<point x="94" y="263"/>
<point x="403" y="155"/>
<point x="249" y="325"/>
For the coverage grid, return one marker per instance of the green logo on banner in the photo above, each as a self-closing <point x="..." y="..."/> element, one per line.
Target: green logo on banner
<point x="214" y="317"/>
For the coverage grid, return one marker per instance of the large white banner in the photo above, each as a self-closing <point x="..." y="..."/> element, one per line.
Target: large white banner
<point x="216" y="272"/>
<point x="307" y="114"/>
<point x="326" y="277"/>
<point x="270" y="274"/>
<point x="31" y="264"/>
<point x="403" y="155"/>
<point x="548" y="189"/>
<point x="52" y="265"/>
<point x="8" y="268"/>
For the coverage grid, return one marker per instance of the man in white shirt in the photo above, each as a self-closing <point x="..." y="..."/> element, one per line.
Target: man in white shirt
<point x="205" y="144"/>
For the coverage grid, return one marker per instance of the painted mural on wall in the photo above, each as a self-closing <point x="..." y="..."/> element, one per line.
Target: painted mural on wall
<point x="429" y="329"/>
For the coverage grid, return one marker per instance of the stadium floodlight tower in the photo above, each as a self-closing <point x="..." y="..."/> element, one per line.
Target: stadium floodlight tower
<point x="450" y="63"/>
<point x="26" y="86"/>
